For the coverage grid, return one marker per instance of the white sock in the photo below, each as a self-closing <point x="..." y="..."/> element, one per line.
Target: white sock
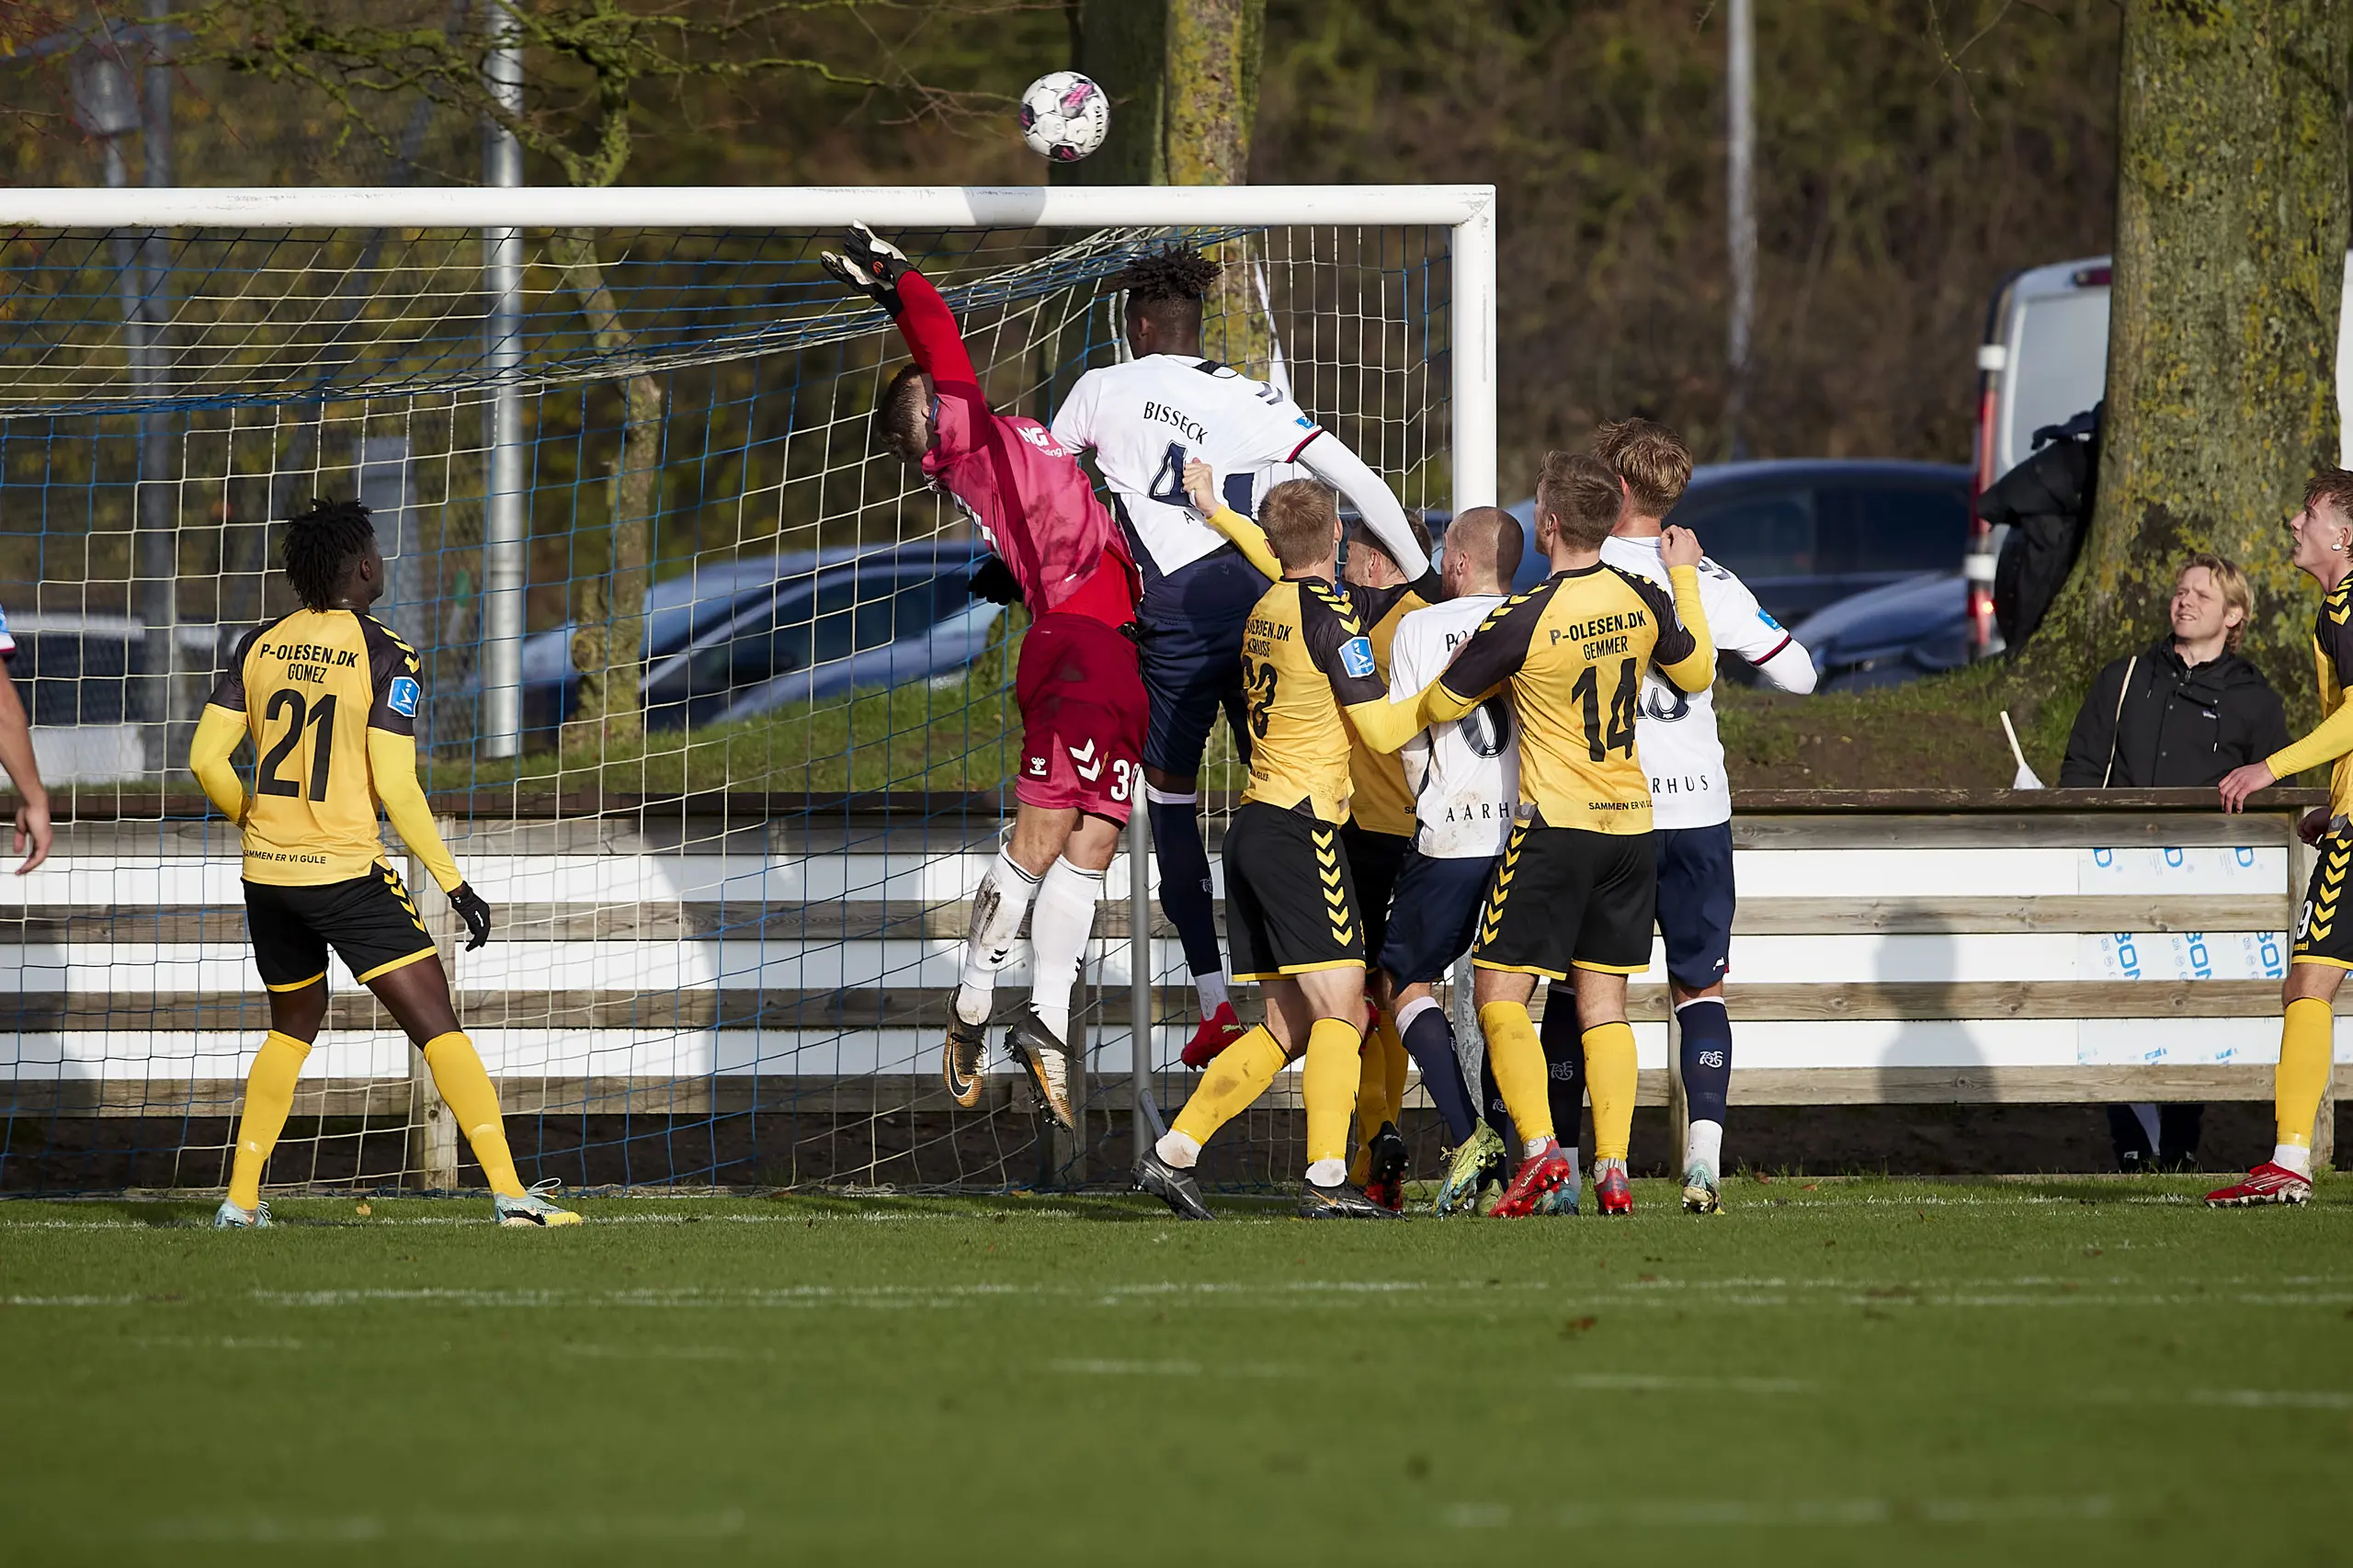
<point x="2294" y="1156"/>
<point x="2146" y="1115"/>
<point x="1532" y="1147"/>
<point x="1705" y="1146"/>
<point x="1058" y="926"/>
<point x="1328" y="1173"/>
<point x="1602" y="1168"/>
<point x="1412" y="1010"/>
<point x="1569" y="1151"/>
<point x="997" y="908"/>
<point x="1212" y="990"/>
<point x="1178" y="1149"/>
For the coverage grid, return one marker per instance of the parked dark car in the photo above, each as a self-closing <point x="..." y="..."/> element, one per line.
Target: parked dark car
<point x="741" y="638"/>
<point x="1891" y="635"/>
<point x="1806" y="532"/>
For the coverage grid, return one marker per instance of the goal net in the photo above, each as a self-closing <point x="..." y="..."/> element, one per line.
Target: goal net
<point x="712" y="719"/>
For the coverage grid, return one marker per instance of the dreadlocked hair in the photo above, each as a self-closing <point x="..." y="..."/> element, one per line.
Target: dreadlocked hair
<point x="319" y="543"/>
<point x="1169" y="274"/>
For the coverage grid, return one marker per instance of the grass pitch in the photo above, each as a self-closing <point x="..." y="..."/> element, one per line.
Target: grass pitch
<point x="1831" y="1372"/>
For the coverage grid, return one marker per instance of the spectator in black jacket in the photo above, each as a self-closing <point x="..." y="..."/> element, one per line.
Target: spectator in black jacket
<point x="2179" y="714"/>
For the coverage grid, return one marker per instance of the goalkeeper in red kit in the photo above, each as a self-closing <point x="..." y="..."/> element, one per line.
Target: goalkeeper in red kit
<point x="1081" y="696"/>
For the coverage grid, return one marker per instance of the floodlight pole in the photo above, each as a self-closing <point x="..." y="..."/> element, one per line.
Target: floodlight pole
<point x="1740" y="214"/>
<point x="504" y="529"/>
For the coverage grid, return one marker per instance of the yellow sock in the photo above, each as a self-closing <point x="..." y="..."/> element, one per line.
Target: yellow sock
<point x="1517" y="1060"/>
<point x="1373" y="1105"/>
<point x="1609" y="1078"/>
<point x="2307" y="1038"/>
<point x="270" y="1097"/>
<point x="1238" y="1077"/>
<point x="458" y="1073"/>
<point x="1328" y="1084"/>
<point x="1394" y="1063"/>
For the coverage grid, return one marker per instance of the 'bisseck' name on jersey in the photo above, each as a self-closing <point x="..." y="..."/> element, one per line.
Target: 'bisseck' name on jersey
<point x="1573" y="650"/>
<point x="1145" y="419"/>
<point x="1304" y="657"/>
<point x="310" y="686"/>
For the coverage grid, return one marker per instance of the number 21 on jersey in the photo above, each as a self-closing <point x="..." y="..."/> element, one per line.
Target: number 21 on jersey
<point x="288" y="702"/>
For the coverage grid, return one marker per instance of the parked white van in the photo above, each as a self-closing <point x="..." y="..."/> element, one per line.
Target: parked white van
<point x="2044" y="360"/>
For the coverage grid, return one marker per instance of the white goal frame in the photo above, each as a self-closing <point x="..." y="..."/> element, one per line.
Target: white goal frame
<point x="501" y="214"/>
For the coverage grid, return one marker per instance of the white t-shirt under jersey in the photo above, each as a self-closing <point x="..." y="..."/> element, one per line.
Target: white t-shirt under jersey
<point x="1464" y="774"/>
<point x="1147" y="418"/>
<point x="1675" y="735"/>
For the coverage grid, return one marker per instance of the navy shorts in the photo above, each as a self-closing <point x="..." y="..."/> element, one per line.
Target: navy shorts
<point x="1374" y="861"/>
<point x="1695" y="902"/>
<point x="1434" y="915"/>
<point x="1190" y="655"/>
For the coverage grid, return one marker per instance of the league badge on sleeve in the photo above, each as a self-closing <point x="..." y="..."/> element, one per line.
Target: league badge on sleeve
<point x="1355" y="656"/>
<point x="402" y="698"/>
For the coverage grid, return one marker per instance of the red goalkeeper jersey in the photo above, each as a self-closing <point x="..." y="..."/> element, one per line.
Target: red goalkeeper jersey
<point x="1028" y="495"/>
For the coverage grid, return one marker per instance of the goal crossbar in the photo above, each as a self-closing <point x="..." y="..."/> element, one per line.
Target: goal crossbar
<point x="1469" y="210"/>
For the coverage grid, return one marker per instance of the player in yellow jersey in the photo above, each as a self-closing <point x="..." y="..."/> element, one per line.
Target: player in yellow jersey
<point x="1378" y="833"/>
<point x="328" y="696"/>
<point x="1292" y="918"/>
<point x="2322" y="547"/>
<point x="1575" y="893"/>
<point x="1379" y="829"/>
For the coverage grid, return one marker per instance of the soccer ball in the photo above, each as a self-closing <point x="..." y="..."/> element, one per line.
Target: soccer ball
<point x="1064" y="115"/>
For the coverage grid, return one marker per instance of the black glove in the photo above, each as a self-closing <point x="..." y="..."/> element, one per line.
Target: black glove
<point x="873" y="266"/>
<point x="993" y="580"/>
<point x="473" y="911"/>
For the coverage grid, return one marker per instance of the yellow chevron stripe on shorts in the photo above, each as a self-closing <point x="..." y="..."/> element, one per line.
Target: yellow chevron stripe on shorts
<point x="1335" y="892"/>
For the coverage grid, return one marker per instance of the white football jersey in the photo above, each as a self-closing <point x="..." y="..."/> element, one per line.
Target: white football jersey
<point x="1675" y="734"/>
<point x="1147" y="418"/>
<point x="1465" y="774"/>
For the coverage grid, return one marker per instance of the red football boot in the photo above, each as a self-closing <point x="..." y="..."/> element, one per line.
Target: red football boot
<point x="1613" y="1194"/>
<point x="1535" y="1178"/>
<point x="1217" y="1030"/>
<point x="2266" y="1183"/>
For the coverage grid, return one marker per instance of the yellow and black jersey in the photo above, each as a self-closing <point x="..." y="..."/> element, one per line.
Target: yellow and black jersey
<point x="1382" y="802"/>
<point x="1304" y="657"/>
<point x="310" y="688"/>
<point x="1574" y="650"/>
<point x="2332" y="740"/>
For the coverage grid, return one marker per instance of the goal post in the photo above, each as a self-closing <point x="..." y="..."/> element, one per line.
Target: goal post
<point x="718" y="959"/>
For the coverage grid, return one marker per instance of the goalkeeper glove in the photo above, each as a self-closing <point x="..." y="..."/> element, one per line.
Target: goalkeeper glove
<point x="474" y="911"/>
<point x="873" y="266"/>
<point x="993" y="580"/>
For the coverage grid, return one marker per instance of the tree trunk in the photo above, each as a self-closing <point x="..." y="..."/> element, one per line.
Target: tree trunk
<point x="607" y="650"/>
<point x="1211" y="70"/>
<point x="2230" y="268"/>
<point x="1121" y="44"/>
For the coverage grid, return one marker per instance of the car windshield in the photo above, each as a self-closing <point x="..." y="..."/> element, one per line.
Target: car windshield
<point x="1756" y="533"/>
<point x="798" y="628"/>
<point x="1835" y="529"/>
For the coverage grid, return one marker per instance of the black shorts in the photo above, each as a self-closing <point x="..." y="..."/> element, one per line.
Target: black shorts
<point x="1374" y="861"/>
<point x="1565" y="898"/>
<point x="1434" y="915"/>
<point x="1695" y="902"/>
<point x="370" y="921"/>
<point x="1291" y="903"/>
<point x="1191" y="654"/>
<point x="2324" y="924"/>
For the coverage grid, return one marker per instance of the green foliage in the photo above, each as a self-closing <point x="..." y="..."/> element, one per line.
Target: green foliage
<point x="1909" y="157"/>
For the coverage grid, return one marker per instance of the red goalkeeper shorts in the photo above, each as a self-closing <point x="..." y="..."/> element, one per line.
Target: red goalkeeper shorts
<point x="1082" y="717"/>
